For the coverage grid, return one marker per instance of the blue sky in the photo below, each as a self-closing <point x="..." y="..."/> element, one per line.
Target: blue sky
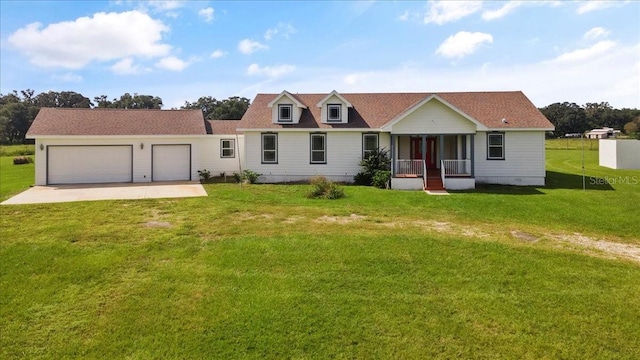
<point x="577" y="51"/>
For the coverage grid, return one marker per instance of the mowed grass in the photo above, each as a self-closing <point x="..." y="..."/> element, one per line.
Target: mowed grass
<point x="261" y="271"/>
<point x="14" y="178"/>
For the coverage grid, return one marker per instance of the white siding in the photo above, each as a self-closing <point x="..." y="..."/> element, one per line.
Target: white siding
<point x="434" y="117"/>
<point x="211" y="160"/>
<point x="141" y="154"/>
<point x="524" y="162"/>
<point x="344" y="152"/>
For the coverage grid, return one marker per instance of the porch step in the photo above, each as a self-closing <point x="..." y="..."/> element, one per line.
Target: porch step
<point x="434" y="183"/>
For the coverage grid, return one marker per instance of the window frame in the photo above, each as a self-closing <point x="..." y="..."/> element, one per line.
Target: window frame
<point x="364" y="142"/>
<point x="232" y="148"/>
<point x="501" y="146"/>
<point x="263" y="150"/>
<point x="335" y="106"/>
<point x="312" y="150"/>
<point x="285" y="106"/>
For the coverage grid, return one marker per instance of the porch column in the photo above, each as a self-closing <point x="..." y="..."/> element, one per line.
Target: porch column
<point x="441" y="146"/>
<point x="423" y="147"/>
<point x="473" y="150"/>
<point x="393" y="157"/>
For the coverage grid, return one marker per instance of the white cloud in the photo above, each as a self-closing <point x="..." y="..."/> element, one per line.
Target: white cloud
<point x="172" y="63"/>
<point x="125" y="67"/>
<point x="248" y="46"/>
<point x="206" y="14"/>
<point x="502" y="11"/>
<point x="589" y="6"/>
<point x="595" y="33"/>
<point x="463" y="43"/>
<point x="102" y="37"/>
<point x="165" y="5"/>
<point x="404" y="16"/>
<point x="586" y="54"/>
<point x="441" y="12"/>
<point x="270" y="71"/>
<point x="68" y="77"/>
<point x="218" y="54"/>
<point x="283" y="29"/>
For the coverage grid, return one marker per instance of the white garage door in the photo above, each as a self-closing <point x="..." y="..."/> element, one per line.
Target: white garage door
<point x="171" y="162"/>
<point x="89" y="164"/>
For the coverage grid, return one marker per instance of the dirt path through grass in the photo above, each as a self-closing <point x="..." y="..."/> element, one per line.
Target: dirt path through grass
<point x="572" y="241"/>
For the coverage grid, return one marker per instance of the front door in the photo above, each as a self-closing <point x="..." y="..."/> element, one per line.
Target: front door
<point x="416" y="150"/>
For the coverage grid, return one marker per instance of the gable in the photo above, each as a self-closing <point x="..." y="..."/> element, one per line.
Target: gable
<point x="431" y="117"/>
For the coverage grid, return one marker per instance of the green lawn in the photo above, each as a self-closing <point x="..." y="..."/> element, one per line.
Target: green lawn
<point x="14" y="178"/>
<point x="261" y="271"/>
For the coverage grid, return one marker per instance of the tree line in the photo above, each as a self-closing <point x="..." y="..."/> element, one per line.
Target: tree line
<point x="571" y="118"/>
<point x="19" y="109"/>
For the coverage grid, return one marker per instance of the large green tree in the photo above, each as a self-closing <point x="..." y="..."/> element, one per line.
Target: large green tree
<point x="229" y="109"/>
<point x="128" y="101"/>
<point x="15" y="119"/>
<point x="207" y="104"/>
<point x="566" y="117"/>
<point x="63" y="99"/>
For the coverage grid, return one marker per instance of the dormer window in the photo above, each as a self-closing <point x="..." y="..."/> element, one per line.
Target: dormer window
<point x="285" y="113"/>
<point x="334" y="113"/>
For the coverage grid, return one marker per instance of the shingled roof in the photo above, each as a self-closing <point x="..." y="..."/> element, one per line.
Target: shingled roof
<point x="374" y="110"/>
<point x="110" y="122"/>
<point x="222" y="127"/>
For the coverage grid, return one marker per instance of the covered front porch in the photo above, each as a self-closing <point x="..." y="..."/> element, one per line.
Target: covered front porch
<point x="432" y="161"/>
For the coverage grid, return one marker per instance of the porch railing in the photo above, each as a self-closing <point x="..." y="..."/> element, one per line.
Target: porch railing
<point x="409" y="167"/>
<point x="424" y="173"/>
<point x="456" y="167"/>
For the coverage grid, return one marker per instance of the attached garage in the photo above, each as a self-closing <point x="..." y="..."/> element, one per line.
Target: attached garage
<point x="77" y="146"/>
<point x="171" y="162"/>
<point x="82" y="164"/>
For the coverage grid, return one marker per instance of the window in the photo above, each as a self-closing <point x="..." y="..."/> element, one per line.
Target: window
<point x="227" y="148"/>
<point x="318" y="148"/>
<point x="495" y="146"/>
<point x="269" y="148"/>
<point x="285" y="113"/>
<point x="369" y="144"/>
<point x="333" y="112"/>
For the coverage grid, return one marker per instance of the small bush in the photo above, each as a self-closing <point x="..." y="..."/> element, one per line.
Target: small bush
<point x="247" y="176"/>
<point x="19" y="160"/>
<point x="250" y="176"/>
<point x="378" y="160"/>
<point x="325" y="189"/>
<point x="205" y="175"/>
<point x="362" y="178"/>
<point x="381" y="179"/>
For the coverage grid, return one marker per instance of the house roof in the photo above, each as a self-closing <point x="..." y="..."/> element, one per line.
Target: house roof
<point x="374" y="110"/>
<point x="222" y="127"/>
<point x="66" y="121"/>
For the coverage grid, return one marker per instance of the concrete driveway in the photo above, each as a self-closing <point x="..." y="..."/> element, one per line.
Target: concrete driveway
<point x="92" y="192"/>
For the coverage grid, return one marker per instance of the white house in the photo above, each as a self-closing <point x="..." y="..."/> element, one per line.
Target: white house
<point x="450" y="140"/>
<point x="603" y="133"/>
<point x="435" y="140"/>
